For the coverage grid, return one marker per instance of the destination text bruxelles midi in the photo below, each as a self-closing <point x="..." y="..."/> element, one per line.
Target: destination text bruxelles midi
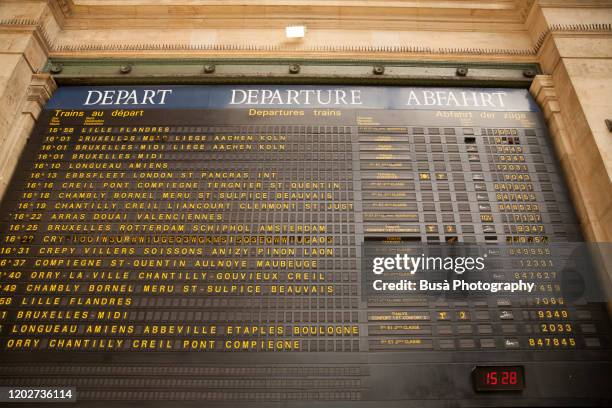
<point x="216" y="233"/>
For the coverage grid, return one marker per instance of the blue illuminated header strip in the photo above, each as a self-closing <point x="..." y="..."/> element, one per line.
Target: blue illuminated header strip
<point x="301" y="96"/>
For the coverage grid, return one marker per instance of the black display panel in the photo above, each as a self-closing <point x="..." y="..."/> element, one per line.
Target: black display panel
<point x="204" y="244"/>
<point x="498" y="378"/>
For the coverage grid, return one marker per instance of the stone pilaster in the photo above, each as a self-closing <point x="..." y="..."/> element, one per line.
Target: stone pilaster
<point x="38" y="93"/>
<point x="591" y="212"/>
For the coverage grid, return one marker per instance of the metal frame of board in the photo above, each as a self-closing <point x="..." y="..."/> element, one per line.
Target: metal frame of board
<point x="289" y="71"/>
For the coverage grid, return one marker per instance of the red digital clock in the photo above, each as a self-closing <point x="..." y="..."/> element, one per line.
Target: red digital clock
<point x="498" y="378"/>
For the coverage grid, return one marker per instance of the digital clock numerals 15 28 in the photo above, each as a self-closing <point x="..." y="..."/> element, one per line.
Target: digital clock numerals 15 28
<point x="498" y="378"/>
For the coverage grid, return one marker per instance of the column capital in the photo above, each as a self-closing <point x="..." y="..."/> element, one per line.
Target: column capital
<point x="39" y="91"/>
<point x="543" y="90"/>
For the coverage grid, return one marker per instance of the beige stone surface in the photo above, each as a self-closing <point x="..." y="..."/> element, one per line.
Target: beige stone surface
<point x="39" y="89"/>
<point x="11" y="9"/>
<point x="314" y="36"/>
<point x="596" y="12"/>
<point x="14" y="79"/>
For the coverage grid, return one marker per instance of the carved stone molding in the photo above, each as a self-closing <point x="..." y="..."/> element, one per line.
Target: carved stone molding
<point x="40" y="90"/>
<point x="598" y="28"/>
<point x="65" y="6"/>
<point x="56" y="47"/>
<point x="38" y="93"/>
<point x="543" y="90"/>
<point x="19" y="22"/>
<point x="399" y="49"/>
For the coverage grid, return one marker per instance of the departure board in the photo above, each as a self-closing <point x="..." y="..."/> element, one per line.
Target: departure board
<point x="229" y="245"/>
